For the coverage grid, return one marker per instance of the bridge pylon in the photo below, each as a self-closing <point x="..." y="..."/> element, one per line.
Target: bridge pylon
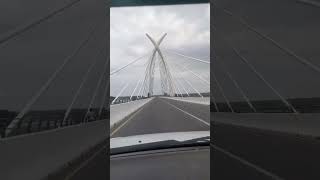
<point x="167" y="84"/>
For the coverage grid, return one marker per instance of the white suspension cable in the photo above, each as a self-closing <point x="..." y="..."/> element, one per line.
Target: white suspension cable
<point x="119" y="69"/>
<point x="259" y="75"/>
<point x="139" y="95"/>
<point x="119" y="94"/>
<point x="179" y="83"/>
<point x="193" y="88"/>
<point x="135" y="88"/>
<point x="236" y="84"/>
<point x="47" y="84"/>
<point x="197" y="75"/>
<point x="84" y="79"/>
<point x="189" y="57"/>
<point x="214" y="102"/>
<point x="175" y="78"/>
<point x="177" y="67"/>
<point x="105" y="67"/>
<point x="275" y="43"/>
<point x="265" y="81"/>
<point x="222" y="91"/>
<point x="104" y="97"/>
<point x="178" y="89"/>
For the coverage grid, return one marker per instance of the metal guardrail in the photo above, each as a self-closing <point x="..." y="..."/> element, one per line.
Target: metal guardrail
<point x="303" y="105"/>
<point x="37" y="121"/>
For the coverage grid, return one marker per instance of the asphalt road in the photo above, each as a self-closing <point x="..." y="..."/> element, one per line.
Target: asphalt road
<point x="236" y="153"/>
<point x="164" y="115"/>
<point x="159" y="115"/>
<point x="96" y="167"/>
<point x="263" y="154"/>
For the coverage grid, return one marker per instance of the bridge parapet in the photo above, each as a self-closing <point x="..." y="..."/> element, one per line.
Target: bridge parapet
<point x="37" y="155"/>
<point x="119" y="112"/>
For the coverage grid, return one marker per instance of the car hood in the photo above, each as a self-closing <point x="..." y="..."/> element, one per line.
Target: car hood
<point x="119" y="142"/>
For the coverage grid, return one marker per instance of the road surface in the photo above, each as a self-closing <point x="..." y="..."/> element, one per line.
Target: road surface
<point x="279" y="154"/>
<point x="165" y="115"/>
<point x="237" y="152"/>
<point x="157" y="116"/>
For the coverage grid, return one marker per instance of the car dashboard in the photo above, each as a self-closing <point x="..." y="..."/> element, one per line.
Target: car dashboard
<point x="175" y="163"/>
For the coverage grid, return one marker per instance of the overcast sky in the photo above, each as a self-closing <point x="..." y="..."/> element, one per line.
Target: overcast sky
<point x="188" y="32"/>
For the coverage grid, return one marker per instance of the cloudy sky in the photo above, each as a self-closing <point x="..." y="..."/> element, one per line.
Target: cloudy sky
<point x="188" y="32"/>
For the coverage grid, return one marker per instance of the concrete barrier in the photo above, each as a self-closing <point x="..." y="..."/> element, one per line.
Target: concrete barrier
<point x="119" y="112"/>
<point x="35" y="156"/>
<point x="304" y="124"/>
<point x="196" y="100"/>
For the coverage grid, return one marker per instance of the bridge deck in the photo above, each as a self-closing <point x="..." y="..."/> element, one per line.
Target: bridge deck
<point x="165" y="115"/>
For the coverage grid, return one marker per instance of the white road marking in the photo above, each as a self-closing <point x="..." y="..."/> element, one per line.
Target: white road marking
<point x="247" y="163"/>
<point x="118" y="128"/>
<point x="69" y="176"/>
<point x="201" y="120"/>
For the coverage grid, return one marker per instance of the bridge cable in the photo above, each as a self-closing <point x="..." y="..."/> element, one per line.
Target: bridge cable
<point x="103" y="75"/>
<point x="104" y="98"/>
<point x="75" y="96"/>
<point x="139" y="95"/>
<point x="189" y="57"/>
<point x="214" y="102"/>
<point x="179" y="83"/>
<point x="196" y="75"/>
<point x="174" y="79"/>
<point x="134" y="90"/>
<point x="258" y="74"/>
<point x="141" y="89"/>
<point x="123" y="67"/>
<point x="30" y="25"/>
<point x="274" y="42"/>
<point x="147" y="72"/>
<point x="222" y="91"/>
<point x="119" y="94"/>
<point x="162" y="78"/>
<point x="47" y="84"/>
<point x="140" y="80"/>
<point x="189" y="83"/>
<point x="176" y="65"/>
<point x="177" y="87"/>
<point x="235" y="83"/>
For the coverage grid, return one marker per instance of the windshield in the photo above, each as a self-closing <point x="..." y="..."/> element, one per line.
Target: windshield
<point x="159" y="74"/>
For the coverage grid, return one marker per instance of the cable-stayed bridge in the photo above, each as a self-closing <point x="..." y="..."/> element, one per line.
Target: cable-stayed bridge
<point x="264" y="57"/>
<point x="62" y="110"/>
<point x="245" y="31"/>
<point x="165" y="82"/>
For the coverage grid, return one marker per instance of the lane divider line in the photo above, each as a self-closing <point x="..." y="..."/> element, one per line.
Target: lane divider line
<point x="201" y="120"/>
<point x="247" y="163"/>
<point x="131" y="117"/>
<point x="69" y="176"/>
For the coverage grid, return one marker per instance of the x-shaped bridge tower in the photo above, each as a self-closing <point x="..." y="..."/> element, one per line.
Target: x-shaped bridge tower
<point x="167" y="84"/>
